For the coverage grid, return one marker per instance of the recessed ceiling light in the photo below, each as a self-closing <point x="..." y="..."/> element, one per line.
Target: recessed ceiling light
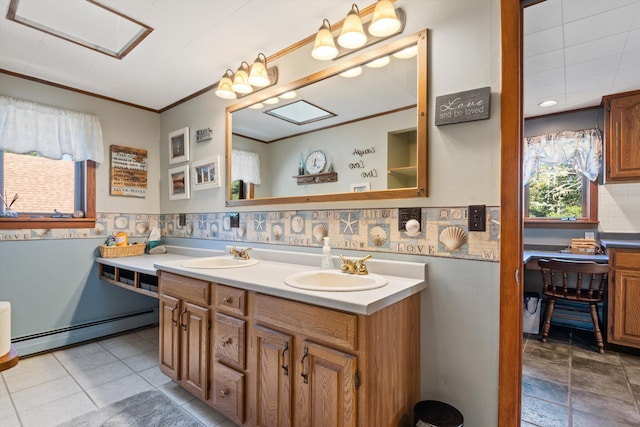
<point x="352" y="72"/>
<point x="548" y="103"/>
<point x="300" y="112"/>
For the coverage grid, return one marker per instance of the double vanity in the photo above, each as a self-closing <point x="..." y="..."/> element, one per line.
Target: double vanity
<point x="275" y="341"/>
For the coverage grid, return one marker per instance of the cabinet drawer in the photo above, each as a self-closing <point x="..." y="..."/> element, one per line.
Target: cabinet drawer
<point x="231" y="300"/>
<point x="330" y="326"/>
<point x="193" y="290"/>
<point x="230" y="340"/>
<point x="626" y="259"/>
<point x="228" y="392"/>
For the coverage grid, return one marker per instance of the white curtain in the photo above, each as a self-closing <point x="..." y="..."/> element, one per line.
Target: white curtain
<point x="245" y="165"/>
<point x="583" y="148"/>
<point x="50" y="131"/>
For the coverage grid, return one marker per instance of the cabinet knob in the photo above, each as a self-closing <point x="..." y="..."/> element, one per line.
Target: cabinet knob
<point x="226" y="342"/>
<point x="224" y="393"/>
<point x="226" y="300"/>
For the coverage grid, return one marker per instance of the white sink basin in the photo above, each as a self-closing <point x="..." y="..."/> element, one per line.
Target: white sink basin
<point x="219" y="262"/>
<point x="334" y="281"/>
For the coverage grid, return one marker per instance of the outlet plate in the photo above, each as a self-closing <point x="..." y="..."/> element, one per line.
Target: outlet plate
<point x="234" y="220"/>
<point x="405" y="214"/>
<point x="182" y="220"/>
<point x="477" y="217"/>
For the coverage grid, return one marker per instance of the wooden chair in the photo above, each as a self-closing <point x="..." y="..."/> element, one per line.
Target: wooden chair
<point x="576" y="281"/>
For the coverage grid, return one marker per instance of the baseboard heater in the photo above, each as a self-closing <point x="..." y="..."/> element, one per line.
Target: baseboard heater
<point x="73" y="334"/>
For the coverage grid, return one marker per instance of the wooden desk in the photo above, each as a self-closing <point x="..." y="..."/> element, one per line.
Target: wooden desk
<point x="9" y="360"/>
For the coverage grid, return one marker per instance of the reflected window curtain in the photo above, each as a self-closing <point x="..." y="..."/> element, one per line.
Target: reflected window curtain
<point x="50" y="131"/>
<point x="583" y="148"/>
<point x="245" y="165"/>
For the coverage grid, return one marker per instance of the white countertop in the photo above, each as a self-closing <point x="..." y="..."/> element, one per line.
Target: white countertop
<point x="267" y="277"/>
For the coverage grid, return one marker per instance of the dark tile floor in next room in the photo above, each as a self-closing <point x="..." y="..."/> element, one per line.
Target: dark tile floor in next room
<point x="567" y="383"/>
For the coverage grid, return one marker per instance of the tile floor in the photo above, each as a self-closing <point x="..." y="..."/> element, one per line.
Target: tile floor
<point x="567" y="383"/>
<point x="52" y="388"/>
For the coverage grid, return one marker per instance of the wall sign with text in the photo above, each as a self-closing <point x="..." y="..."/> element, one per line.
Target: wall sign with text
<point x="128" y="171"/>
<point x="463" y="107"/>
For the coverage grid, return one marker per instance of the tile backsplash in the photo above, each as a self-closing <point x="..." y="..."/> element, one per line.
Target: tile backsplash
<point x="444" y="230"/>
<point x="619" y="208"/>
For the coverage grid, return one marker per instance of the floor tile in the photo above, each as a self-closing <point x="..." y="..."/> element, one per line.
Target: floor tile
<point x="540" y="353"/>
<point x="604" y="406"/>
<point x="612" y="384"/>
<point x="102" y="375"/>
<point x="155" y="376"/>
<point x="6" y="406"/>
<point x="204" y="413"/>
<point x="117" y="390"/>
<point x="151" y="334"/>
<point x="119" y="340"/>
<point x="142" y="361"/>
<point x="130" y="349"/>
<point x="11" y="421"/>
<point x="558" y="373"/>
<point x="550" y="345"/>
<point x="33" y="371"/>
<point x="58" y="411"/>
<point x="543" y="413"/>
<point x="90" y="361"/>
<point x="582" y="419"/>
<point x="546" y="390"/>
<point x="44" y="393"/>
<point x="79" y="351"/>
<point x="176" y="393"/>
<point x="606" y="358"/>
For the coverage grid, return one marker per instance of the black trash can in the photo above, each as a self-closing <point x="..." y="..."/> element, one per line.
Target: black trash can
<point x="432" y="413"/>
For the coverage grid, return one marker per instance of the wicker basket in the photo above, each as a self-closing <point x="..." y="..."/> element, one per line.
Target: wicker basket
<point x="120" y="251"/>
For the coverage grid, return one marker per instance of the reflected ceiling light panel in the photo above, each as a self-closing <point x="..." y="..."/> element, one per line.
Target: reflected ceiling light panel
<point x="407" y="52"/>
<point x="288" y="95"/>
<point x="224" y="86"/>
<point x="324" y="47"/>
<point x="385" y="22"/>
<point x="258" y="72"/>
<point x="352" y="35"/>
<point x="378" y="63"/>
<point x="241" y="79"/>
<point x="271" y="101"/>
<point x="257" y="106"/>
<point x="352" y="72"/>
<point x="548" y="103"/>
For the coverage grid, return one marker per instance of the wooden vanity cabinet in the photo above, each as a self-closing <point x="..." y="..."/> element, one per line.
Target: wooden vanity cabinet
<point x="184" y="332"/>
<point x="622" y="137"/>
<point x="624" y="297"/>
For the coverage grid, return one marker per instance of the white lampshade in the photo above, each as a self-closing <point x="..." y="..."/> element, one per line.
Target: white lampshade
<point x="385" y="20"/>
<point x="224" y="86"/>
<point x="352" y="72"/>
<point x="241" y="79"/>
<point x="324" y="47"/>
<point x="288" y="95"/>
<point x="352" y="35"/>
<point x="257" y="106"/>
<point x="407" y="52"/>
<point x="379" y="62"/>
<point x="271" y="101"/>
<point x="258" y="76"/>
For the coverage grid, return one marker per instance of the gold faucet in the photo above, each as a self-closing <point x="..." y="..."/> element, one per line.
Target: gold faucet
<point x="354" y="267"/>
<point x="242" y="253"/>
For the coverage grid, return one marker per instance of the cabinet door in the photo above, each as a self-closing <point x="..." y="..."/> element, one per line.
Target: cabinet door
<point x="273" y="373"/>
<point x="169" y="336"/>
<point x="623" y="155"/>
<point x="327" y="395"/>
<point x="194" y="372"/>
<point x="625" y="328"/>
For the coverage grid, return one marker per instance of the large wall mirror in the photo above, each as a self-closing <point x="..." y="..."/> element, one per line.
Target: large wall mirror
<point x="329" y="137"/>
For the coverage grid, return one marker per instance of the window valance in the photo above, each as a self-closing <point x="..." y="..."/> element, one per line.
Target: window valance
<point x="583" y="148"/>
<point x="245" y="165"/>
<point x="50" y="131"/>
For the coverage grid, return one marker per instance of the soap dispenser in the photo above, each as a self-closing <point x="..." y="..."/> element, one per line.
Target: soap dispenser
<point x="326" y="255"/>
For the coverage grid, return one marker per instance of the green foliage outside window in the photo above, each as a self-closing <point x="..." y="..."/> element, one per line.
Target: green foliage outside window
<point x="555" y="191"/>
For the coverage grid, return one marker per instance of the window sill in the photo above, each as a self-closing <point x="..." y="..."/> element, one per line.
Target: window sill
<point x="46" y="222"/>
<point x="555" y="223"/>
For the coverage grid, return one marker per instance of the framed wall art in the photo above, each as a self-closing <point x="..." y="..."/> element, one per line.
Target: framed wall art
<point x="206" y="173"/>
<point x="128" y="171"/>
<point x="179" y="183"/>
<point x="179" y="145"/>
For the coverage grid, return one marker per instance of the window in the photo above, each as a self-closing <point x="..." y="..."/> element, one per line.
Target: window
<point x="48" y="191"/>
<point x="559" y="174"/>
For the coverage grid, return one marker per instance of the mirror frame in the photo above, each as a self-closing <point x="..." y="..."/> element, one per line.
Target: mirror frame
<point x="420" y="190"/>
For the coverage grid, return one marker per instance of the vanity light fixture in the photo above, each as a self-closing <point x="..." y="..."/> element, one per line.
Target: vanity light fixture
<point x="271" y="101"/>
<point x="247" y="79"/>
<point x="288" y="95"/>
<point x="324" y="47"/>
<point x="378" y="62"/>
<point x="257" y="106"/>
<point x="407" y="52"/>
<point x="241" y="79"/>
<point x="352" y="72"/>
<point x="385" y="21"/>
<point x="224" y="86"/>
<point x="258" y="72"/>
<point x="352" y="35"/>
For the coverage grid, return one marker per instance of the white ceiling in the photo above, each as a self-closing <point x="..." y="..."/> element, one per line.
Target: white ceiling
<point x="575" y="50"/>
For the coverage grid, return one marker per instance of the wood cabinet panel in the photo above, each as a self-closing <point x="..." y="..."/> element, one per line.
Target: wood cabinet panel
<point x="273" y="378"/>
<point x="622" y="132"/>
<point x="228" y="392"/>
<point x="230" y="340"/>
<point x="195" y="349"/>
<point x="196" y="291"/>
<point x="231" y="300"/>
<point x="169" y="331"/>
<point x="626" y="259"/>
<point x="626" y="317"/>
<point x="330" y="326"/>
